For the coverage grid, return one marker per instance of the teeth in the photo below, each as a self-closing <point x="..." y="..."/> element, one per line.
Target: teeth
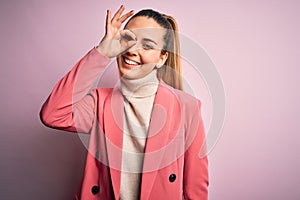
<point x="130" y="62"/>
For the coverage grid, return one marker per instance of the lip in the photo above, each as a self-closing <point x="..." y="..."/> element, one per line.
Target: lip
<point x="130" y="63"/>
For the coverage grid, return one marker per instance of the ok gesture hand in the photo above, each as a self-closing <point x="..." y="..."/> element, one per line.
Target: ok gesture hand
<point x="116" y="41"/>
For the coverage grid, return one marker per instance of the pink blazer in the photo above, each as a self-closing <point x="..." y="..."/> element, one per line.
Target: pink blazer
<point x="175" y="163"/>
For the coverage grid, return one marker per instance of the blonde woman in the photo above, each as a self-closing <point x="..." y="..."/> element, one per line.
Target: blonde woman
<point x="146" y="134"/>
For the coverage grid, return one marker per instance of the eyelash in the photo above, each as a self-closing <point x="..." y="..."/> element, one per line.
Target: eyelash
<point x="147" y="46"/>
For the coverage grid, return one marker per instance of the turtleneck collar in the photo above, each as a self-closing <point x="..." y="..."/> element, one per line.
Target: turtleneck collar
<point x="139" y="88"/>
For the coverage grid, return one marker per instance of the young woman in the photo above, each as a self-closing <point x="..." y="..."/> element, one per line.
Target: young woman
<point x="145" y="134"/>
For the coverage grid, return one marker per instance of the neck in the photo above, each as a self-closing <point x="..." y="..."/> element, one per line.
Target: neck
<point x="142" y="87"/>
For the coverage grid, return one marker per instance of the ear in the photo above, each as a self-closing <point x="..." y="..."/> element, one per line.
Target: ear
<point x="162" y="60"/>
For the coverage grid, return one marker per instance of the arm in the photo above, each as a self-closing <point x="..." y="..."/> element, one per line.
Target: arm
<point x="195" y="180"/>
<point x="71" y="105"/>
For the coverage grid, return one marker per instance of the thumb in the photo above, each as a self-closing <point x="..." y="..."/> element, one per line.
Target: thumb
<point x="130" y="44"/>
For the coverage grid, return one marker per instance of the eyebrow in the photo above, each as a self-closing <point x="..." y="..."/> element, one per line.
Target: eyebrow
<point x="149" y="40"/>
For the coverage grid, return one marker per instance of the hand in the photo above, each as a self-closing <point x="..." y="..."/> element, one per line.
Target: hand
<point x="116" y="41"/>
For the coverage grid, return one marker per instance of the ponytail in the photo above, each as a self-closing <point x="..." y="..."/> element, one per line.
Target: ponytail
<point x="171" y="71"/>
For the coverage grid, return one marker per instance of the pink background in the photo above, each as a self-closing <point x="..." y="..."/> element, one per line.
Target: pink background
<point x="254" y="44"/>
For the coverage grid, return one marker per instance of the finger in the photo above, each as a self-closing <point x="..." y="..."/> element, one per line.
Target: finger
<point x="126" y="16"/>
<point x="108" y="16"/>
<point x="118" y="13"/>
<point x="126" y="45"/>
<point x="108" y="21"/>
<point x="128" y="35"/>
<point x="130" y="43"/>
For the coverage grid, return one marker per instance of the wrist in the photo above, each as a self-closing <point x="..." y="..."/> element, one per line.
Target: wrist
<point x="100" y="49"/>
<point x="101" y="53"/>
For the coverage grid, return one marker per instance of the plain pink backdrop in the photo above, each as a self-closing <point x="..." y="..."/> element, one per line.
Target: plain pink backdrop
<point x="254" y="44"/>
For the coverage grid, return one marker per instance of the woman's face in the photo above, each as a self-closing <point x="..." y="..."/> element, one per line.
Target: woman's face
<point x="140" y="59"/>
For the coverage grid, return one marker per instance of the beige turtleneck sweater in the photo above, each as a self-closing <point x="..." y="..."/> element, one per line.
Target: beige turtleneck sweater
<point x="139" y="96"/>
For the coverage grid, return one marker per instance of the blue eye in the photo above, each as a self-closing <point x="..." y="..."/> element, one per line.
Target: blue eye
<point x="147" y="46"/>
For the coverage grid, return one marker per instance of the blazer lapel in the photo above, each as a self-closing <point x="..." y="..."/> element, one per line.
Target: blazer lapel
<point x="159" y="134"/>
<point x="162" y="128"/>
<point x="113" y="125"/>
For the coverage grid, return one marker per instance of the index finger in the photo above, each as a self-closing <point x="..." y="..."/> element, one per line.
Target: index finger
<point x="118" y="13"/>
<point x="126" y="16"/>
<point x="128" y="35"/>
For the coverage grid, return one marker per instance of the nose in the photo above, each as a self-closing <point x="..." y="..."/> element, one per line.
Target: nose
<point x="134" y="50"/>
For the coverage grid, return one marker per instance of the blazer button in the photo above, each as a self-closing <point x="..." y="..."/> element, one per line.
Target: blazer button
<point x="172" y="178"/>
<point x="95" y="189"/>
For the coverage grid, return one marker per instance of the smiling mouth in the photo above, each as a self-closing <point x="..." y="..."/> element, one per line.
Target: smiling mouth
<point x="130" y="63"/>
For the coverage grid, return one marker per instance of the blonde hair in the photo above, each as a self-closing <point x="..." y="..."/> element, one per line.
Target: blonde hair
<point x="171" y="71"/>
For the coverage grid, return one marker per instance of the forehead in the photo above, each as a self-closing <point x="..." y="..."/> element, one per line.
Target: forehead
<point x="145" y="27"/>
<point x="142" y="22"/>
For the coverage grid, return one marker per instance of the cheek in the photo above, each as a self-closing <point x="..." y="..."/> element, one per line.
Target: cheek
<point x="151" y="57"/>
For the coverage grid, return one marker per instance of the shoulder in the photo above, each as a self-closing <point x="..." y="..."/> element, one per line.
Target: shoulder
<point x="183" y="104"/>
<point x="186" y="100"/>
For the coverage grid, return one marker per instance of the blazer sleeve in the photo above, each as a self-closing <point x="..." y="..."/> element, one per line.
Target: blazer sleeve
<point x="195" y="179"/>
<point x="72" y="102"/>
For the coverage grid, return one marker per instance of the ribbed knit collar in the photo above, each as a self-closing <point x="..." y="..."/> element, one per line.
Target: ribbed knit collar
<point x="139" y="88"/>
